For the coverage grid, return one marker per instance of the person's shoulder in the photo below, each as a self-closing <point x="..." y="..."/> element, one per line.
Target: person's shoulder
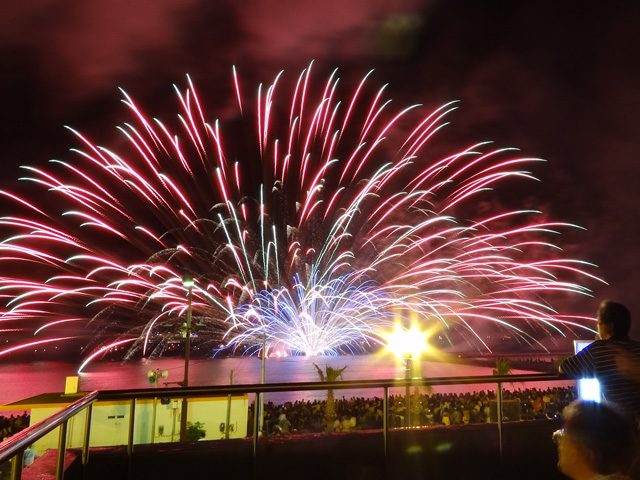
<point x="624" y="342"/>
<point x="629" y="346"/>
<point x="597" y="345"/>
<point x="613" y="347"/>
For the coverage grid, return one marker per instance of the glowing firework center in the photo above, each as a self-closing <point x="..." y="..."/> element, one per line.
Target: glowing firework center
<point x="340" y="315"/>
<point x="407" y="344"/>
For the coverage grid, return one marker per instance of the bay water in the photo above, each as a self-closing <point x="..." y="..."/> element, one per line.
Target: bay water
<point x="23" y="380"/>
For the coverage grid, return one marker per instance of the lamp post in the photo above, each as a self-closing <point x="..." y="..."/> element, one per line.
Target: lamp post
<point x="407" y="345"/>
<point x="407" y="358"/>
<point x="188" y="284"/>
<point x="261" y="395"/>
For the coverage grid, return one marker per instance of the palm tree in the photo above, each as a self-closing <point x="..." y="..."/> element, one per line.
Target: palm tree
<point x="330" y="375"/>
<point x="503" y="367"/>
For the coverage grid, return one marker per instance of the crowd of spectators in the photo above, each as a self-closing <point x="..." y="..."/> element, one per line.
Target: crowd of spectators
<point x="426" y="410"/>
<point x="12" y="424"/>
<point x="359" y="413"/>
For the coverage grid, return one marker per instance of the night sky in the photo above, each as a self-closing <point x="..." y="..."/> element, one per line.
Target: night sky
<point x="558" y="80"/>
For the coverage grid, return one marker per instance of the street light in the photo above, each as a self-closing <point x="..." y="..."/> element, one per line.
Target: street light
<point x="262" y="369"/>
<point x="188" y="283"/>
<point x="407" y="345"/>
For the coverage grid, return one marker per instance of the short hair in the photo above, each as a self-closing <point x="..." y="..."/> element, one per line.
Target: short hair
<point x="608" y="436"/>
<point x="616" y="314"/>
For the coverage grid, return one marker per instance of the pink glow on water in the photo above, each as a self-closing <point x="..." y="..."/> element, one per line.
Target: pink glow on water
<point x="28" y="379"/>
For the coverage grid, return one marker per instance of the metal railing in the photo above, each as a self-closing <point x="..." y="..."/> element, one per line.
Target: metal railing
<point x="14" y="447"/>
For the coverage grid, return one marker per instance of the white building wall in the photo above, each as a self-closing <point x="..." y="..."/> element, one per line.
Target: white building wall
<point x="110" y="421"/>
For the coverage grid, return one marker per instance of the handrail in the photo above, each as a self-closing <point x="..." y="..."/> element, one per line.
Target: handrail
<point x="309" y="386"/>
<point x="21" y="440"/>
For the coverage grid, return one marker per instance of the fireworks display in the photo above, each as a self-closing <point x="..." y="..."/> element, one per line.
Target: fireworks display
<point x="310" y="221"/>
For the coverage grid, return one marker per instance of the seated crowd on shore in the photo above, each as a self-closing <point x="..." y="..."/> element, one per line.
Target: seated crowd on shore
<point x="426" y="410"/>
<point x="367" y="414"/>
<point x="12" y="424"/>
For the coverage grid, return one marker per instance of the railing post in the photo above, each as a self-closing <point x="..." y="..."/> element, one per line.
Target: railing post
<point x="408" y="374"/>
<point x="62" y="443"/>
<point x="17" y="465"/>
<point x="499" y="414"/>
<point x="228" y="419"/>
<point x="132" y="420"/>
<point x="256" y="426"/>
<point x="385" y="426"/>
<point x="85" y="444"/>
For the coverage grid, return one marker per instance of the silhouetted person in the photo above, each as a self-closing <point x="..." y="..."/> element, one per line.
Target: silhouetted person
<point x="597" y="442"/>
<point x="614" y="359"/>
